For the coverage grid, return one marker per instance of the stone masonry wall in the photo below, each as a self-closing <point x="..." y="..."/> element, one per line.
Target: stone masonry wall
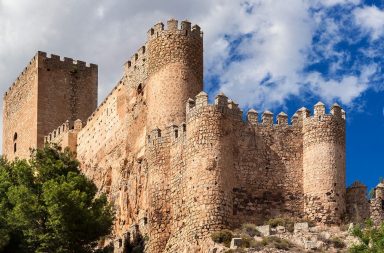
<point x="67" y="90"/>
<point x="175" y="68"/>
<point x="47" y="93"/>
<point x="20" y="114"/>
<point x="175" y="167"/>
<point x="357" y="203"/>
<point x="324" y="165"/>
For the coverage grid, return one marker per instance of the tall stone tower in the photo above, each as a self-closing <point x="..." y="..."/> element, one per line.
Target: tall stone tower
<point x="47" y="93"/>
<point x="175" y="71"/>
<point x="324" y="164"/>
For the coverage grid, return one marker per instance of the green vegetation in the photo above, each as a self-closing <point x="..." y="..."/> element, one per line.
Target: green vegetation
<point x="250" y="229"/>
<point x="337" y="243"/>
<point x="224" y="236"/>
<point x="247" y="233"/>
<point x="47" y="205"/>
<point x="276" y="242"/>
<point x="371" y="238"/>
<point x="288" y="223"/>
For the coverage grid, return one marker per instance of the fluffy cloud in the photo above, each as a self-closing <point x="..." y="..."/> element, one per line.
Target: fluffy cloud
<point x="371" y="19"/>
<point x="256" y="51"/>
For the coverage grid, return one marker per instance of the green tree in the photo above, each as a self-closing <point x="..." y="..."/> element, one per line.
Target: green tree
<point x="47" y="205"/>
<point x="371" y="238"/>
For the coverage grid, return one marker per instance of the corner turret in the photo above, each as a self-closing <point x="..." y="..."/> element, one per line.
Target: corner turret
<point x="323" y="164"/>
<point x="175" y="71"/>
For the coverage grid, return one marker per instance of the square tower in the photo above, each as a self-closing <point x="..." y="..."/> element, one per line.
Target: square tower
<point x="47" y="93"/>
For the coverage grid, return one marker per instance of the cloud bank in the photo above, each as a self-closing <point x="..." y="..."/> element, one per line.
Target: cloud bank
<point x="259" y="52"/>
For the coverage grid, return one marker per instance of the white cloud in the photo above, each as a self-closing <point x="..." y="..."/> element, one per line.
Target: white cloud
<point x="278" y="45"/>
<point x="371" y="19"/>
<point x="329" y="3"/>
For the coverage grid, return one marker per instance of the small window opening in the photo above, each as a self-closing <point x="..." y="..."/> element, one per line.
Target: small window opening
<point x="184" y="128"/>
<point x="140" y="90"/>
<point x="176" y="133"/>
<point x="382" y="204"/>
<point x="14" y="148"/>
<point x="15" y="137"/>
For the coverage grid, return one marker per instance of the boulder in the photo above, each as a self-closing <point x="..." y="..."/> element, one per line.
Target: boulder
<point x="264" y="230"/>
<point x="301" y="227"/>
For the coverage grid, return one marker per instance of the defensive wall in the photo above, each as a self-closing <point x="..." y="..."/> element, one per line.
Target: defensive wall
<point x="175" y="167"/>
<point x="48" y="92"/>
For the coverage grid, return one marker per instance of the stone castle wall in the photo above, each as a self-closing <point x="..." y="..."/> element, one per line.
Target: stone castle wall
<point x="177" y="168"/>
<point x="20" y="113"/>
<point x="324" y="165"/>
<point x="48" y="92"/>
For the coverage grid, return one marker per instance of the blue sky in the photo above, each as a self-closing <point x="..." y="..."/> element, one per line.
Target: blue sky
<point x="273" y="55"/>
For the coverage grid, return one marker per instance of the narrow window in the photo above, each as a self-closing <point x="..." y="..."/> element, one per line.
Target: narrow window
<point x="176" y="133"/>
<point x="14" y="142"/>
<point x="140" y="89"/>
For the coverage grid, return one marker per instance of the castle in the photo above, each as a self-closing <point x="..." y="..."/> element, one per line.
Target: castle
<point x="176" y="167"/>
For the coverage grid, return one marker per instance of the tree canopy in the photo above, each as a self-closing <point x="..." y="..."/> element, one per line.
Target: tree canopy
<point x="47" y="205"/>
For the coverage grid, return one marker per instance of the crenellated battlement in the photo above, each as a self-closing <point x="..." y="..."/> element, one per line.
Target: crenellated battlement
<point x="52" y="59"/>
<point x="185" y="28"/>
<point x="320" y="114"/>
<point x="56" y="135"/>
<point x="297" y="119"/>
<point x="222" y="103"/>
<point x="32" y="64"/>
<point x="136" y="58"/>
<point x="56" y="59"/>
<point x="172" y="133"/>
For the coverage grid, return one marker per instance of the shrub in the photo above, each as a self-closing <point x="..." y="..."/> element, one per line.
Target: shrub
<point x="277" y="243"/>
<point x="224" y="236"/>
<point x="250" y="229"/>
<point x="288" y="223"/>
<point x="338" y="243"/>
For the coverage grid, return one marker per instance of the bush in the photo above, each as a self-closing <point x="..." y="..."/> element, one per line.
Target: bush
<point x="286" y="222"/>
<point x="224" y="236"/>
<point x="371" y="238"/>
<point x="337" y="243"/>
<point x="250" y="229"/>
<point x="277" y="243"/>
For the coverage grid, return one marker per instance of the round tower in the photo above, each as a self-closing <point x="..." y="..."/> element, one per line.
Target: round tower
<point x="324" y="164"/>
<point x="175" y="71"/>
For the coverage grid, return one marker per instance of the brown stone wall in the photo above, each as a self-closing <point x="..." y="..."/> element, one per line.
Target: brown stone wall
<point x="67" y="91"/>
<point x="175" y="68"/>
<point x="377" y="205"/>
<point x="20" y="113"/>
<point x="324" y="167"/>
<point x="177" y="169"/>
<point x="268" y="172"/>
<point x="357" y="203"/>
<point x="48" y="92"/>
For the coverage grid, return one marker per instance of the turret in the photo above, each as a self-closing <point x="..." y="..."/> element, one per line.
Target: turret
<point x="377" y="204"/>
<point x="323" y="164"/>
<point x="175" y="71"/>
